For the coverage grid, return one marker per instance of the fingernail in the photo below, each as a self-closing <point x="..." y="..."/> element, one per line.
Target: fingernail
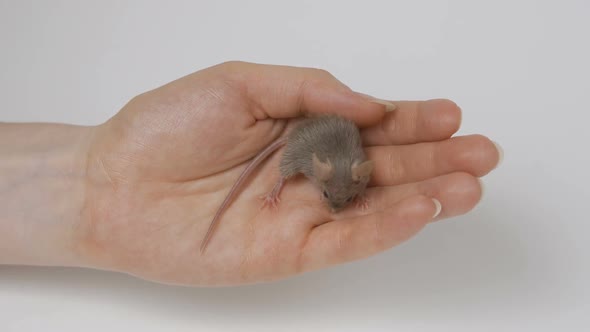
<point x="500" y="153"/>
<point x="389" y="106"/>
<point x="438" y="207"/>
<point x="482" y="188"/>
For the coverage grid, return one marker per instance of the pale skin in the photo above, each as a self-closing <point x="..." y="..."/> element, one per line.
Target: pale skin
<point x="136" y="193"/>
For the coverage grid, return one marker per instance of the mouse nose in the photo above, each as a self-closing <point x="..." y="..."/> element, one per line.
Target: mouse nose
<point x="335" y="207"/>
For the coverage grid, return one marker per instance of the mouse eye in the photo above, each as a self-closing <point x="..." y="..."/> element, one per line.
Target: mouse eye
<point x="349" y="199"/>
<point x="325" y="194"/>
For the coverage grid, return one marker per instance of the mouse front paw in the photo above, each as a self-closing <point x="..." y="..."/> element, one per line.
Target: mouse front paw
<point x="362" y="202"/>
<point x="270" y="200"/>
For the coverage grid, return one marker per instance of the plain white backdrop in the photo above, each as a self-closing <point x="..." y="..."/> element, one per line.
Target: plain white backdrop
<point x="519" y="69"/>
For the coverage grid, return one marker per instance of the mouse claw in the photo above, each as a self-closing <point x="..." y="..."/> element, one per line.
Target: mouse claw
<point x="362" y="202"/>
<point x="271" y="201"/>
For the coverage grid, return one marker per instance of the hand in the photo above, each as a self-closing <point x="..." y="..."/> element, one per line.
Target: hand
<point x="158" y="171"/>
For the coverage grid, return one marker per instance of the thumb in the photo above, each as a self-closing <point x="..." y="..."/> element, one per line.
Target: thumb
<point x="285" y="92"/>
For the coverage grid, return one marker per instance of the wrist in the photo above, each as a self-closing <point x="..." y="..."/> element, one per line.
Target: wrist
<point x="42" y="192"/>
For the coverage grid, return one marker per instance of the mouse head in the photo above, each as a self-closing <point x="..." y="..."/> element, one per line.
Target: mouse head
<point x="342" y="181"/>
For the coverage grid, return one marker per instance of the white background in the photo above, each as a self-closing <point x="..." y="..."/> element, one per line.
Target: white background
<point x="519" y="70"/>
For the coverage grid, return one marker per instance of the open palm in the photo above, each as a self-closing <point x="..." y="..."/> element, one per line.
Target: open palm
<point x="160" y="168"/>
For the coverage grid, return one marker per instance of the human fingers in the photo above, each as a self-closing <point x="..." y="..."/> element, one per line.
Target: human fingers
<point x="284" y="92"/>
<point x="364" y="235"/>
<point x="474" y="154"/>
<point x="458" y="193"/>
<point x="414" y="122"/>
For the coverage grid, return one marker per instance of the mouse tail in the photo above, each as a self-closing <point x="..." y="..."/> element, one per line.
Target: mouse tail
<point x="234" y="190"/>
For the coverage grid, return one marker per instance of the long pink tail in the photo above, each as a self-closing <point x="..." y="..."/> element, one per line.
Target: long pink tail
<point x="234" y="190"/>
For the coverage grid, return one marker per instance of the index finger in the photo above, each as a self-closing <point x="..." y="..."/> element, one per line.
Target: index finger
<point x="415" y="122"/>
<point x="284" y="92"/>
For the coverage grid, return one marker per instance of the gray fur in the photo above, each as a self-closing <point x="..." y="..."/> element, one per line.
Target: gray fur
<point x="332" y="138"/>
<point x="335" y="141"/>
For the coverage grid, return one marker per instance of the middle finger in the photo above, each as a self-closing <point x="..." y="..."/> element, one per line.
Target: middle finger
<point x="474" y="154"/>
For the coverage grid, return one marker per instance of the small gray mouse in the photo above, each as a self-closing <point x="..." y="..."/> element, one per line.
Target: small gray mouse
<point x="328" y="150"/>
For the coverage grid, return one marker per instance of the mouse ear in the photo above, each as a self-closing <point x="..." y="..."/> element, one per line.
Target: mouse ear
<point x="363" y="170"/>
<point x="322" y="170"/>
